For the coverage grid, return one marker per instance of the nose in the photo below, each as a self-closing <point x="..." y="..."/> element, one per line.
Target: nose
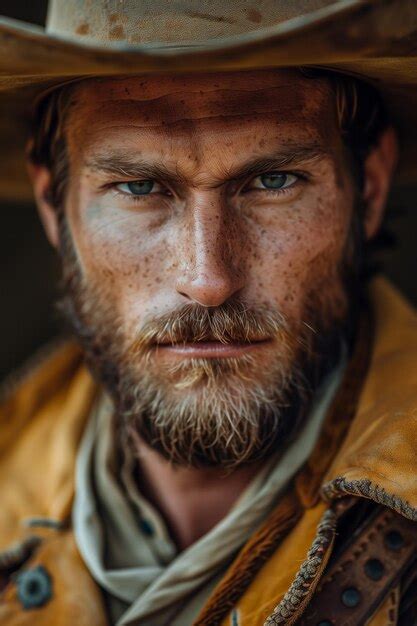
<point x="211" y="271"/>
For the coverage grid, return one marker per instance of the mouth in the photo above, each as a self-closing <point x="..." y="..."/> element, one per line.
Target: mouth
<point x="210" y="349"/>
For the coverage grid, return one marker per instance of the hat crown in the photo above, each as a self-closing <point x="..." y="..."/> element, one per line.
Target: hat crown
<point x="169" y="21"/>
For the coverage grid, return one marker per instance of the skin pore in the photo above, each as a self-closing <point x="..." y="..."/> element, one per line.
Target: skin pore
<point x="198" y="191"/>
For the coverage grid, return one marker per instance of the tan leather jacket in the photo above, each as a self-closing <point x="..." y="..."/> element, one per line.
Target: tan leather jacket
<point x="42" y="419"/>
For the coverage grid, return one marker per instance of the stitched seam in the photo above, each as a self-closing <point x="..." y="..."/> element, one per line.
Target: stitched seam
<point x="392" y="610"/>
<point x="366" y="488"/>
<point x="303" y="582"/>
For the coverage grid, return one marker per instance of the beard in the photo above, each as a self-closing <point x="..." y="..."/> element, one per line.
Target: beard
<point x="209" y="412"/>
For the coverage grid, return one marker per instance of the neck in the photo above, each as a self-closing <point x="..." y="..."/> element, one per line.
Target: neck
<point x="191" y="500"/>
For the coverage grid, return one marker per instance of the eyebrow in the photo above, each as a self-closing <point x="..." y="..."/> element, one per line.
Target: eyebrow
<point x="123" y="165"/>
<point x="287" y="157"/>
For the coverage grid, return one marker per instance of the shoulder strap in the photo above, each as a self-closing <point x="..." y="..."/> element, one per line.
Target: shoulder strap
<point x="362" y="574"/>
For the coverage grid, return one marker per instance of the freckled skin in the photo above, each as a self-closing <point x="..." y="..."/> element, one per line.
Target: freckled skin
<point x="209" y="238"/>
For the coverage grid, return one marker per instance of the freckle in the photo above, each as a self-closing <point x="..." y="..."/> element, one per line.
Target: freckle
<point x="117" y="32"/>
<point x="82" y="29"/>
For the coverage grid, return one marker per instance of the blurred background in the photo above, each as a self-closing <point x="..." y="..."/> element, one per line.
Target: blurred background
<point x="29" y="270"/>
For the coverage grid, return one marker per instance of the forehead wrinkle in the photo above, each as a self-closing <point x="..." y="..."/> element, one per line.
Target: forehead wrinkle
<point x="223" y="94"/>
<point x="299" y="88"/>
<point x="166" y="128"/>
<point x="291" y="104"/>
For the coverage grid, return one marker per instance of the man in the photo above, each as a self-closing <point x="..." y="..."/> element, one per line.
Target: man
<point x="238" y="448"/>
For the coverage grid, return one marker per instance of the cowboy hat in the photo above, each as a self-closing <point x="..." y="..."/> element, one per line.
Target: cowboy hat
<point x="375" y="40"/>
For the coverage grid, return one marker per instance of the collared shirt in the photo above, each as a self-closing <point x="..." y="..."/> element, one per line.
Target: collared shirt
<point x="125" y="542"/>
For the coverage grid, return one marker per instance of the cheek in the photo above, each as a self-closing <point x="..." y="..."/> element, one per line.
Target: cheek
<point x="124" y="256"/>
<point x="299" y="250"/>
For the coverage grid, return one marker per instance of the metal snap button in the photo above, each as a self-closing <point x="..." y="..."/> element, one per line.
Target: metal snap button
<point x="351" y="597"/>
<point x="34" y="587"/>
<point x="394" y="540"/>
<point x="374" y="569"/>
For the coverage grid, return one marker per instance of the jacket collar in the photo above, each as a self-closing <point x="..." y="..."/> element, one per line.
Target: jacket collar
<point x="378" y="458"/>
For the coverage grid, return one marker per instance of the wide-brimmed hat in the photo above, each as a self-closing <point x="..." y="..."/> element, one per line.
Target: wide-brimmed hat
<point x="375" y="40"/>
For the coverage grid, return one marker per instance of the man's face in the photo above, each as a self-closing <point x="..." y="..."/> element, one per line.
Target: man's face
<point x="207" y="232"/>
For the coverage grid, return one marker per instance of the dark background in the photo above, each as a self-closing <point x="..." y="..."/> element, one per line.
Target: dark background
<point x="29" y="269"/>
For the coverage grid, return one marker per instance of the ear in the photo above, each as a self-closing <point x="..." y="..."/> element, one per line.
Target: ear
<point x="41" y="183"/>
<point x="378" y="171"/>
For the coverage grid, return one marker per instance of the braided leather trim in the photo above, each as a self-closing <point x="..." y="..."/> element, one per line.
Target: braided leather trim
<point x="308" y="574"/>
<point x="340" y="487"/>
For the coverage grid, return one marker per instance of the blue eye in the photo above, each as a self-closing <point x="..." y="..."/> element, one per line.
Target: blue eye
<point x="137" y="188"/>
<point x="274" y="181"/>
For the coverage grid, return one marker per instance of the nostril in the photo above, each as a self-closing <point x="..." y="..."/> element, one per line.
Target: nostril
<point x="208" y="290"/>
<point x="184" y="294"/>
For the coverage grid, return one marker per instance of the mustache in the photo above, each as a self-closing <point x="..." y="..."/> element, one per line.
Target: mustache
<point x="232" y="322"/>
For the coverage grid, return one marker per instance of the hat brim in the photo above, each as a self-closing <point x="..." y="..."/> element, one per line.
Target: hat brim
<point x="375" y="41"/>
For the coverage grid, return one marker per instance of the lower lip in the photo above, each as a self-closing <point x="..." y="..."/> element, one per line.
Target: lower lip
<point x="210" y="349"/>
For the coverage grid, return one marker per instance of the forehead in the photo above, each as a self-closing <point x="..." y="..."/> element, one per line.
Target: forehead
<point x="239" y="102"/>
